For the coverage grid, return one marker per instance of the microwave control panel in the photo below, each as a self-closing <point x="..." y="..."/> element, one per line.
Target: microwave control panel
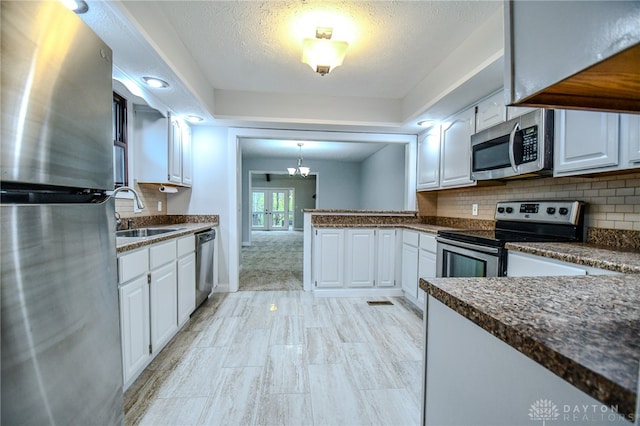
<point x="530" y="144"/>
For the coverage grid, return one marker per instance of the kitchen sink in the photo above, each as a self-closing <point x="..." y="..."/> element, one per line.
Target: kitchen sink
<point x="145" y="232"/>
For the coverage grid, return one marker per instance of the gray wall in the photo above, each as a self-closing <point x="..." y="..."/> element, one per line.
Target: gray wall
<point x="383" y="179"/>
<point x="305" y="189"/>
<point x="338" y="183"/>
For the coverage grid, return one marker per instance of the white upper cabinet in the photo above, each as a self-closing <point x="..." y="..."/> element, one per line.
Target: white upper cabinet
<point x="630" y="137"/>
<point x="491" y="111"/>
<point x="585" y="141"/>
<point x="162" y="154"/>
<point x="456" y="150"/>
<point x="429" y="159"/>
<point x="187" y="155"/>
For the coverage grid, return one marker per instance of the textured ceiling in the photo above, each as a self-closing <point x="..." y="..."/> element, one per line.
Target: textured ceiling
<point x="256" y="46"/>
<point x="241" y="53"/>
<point x="311" y="150"/>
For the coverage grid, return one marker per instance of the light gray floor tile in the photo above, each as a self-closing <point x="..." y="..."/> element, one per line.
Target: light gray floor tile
<point x="285" y="409"/>
<point x="235" y="398"/>
<point x="392" y="407"/>
<point x="174" y="411"/>
<point x="324" y="346"/>
<point x="368" y="367"/>
<point x="286" y="370"/>
<point x="334" y="397"/>
<point x="195" y="375"/>
<point x="287" y="330"/>
<point x="220" y="332"/>
<point x="249" y="349"/>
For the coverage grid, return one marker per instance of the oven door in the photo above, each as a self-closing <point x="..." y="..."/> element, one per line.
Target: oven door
<point x="458" y="259"/>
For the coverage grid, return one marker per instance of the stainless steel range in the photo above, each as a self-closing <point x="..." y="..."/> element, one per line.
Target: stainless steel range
<point x="481" y="253"/>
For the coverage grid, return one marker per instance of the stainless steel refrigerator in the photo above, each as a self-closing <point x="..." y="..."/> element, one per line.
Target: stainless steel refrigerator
<point x="61" y="358"/>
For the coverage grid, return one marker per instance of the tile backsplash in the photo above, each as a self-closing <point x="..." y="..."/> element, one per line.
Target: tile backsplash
<point x="150" y="196"/>
<point x="614" y="201"/>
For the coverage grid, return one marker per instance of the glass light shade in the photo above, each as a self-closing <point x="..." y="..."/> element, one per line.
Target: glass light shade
<point x="321" y="53"/>
<point x="291" y="170"/>
<point x="304" y="171"/>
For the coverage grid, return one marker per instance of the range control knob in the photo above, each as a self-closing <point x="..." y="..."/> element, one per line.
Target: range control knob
<point x="500" y="209"/>
<point x="563" y="211"/>
<point x="509" y="209"/>
<point x="551" y="210"/>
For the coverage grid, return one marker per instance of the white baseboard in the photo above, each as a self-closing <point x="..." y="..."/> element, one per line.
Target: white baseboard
<point x="358" y="292"/>
<point x="246" y="244"/>
<point x="221" y="288"/>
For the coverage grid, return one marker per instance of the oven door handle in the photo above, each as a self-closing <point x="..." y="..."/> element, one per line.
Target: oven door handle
<point x="474" y="247"/>
<point x="512" y="138"/>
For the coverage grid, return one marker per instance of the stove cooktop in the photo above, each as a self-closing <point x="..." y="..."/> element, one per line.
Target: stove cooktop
<point x="528" y="221"/>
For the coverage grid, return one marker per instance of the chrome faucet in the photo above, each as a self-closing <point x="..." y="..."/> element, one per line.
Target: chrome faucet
<point x="133" y="191"/>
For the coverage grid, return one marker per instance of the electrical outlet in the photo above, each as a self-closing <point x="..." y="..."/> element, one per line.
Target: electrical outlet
<point x="474" y="209"/>
<point x="159" y="206"/>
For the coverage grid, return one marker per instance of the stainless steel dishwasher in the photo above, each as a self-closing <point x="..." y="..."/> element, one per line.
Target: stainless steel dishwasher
<point x="205" y="243"/>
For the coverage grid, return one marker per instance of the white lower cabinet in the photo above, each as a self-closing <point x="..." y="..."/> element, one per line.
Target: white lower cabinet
<point x="186" y="278"/>
<point x="426" y="261"/>
<point x="356" y="258"/>
<point x="410" y="264"/>
<point x="152" y="283"/>
<point x="360" y="258"/>
<point x="529" y="265"/>
<point x="329" y="258"/>
<point x="134" y="326"/>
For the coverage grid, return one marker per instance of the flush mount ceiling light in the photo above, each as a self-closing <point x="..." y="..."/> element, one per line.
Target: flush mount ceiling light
<point x="323" y="54"/>
<point x="155" y="82"/>
<point x="78" y="6"/>
<point x="304" y="171"/>
<point x="193" y="118"/>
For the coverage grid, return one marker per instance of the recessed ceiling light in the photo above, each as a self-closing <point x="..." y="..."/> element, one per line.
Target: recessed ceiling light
<point x="155" y="82"/>
<point x="78" y="6"/>
<point x="193" y="118"/>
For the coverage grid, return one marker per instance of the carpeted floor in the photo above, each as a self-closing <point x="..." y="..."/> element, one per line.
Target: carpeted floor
<point x="272" y="262"/>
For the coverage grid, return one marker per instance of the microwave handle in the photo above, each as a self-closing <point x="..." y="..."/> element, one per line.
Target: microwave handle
<point x="512" y="137"/>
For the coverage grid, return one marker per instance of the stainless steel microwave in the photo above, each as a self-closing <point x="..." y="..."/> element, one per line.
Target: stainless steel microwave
<point x="521" y="147"/>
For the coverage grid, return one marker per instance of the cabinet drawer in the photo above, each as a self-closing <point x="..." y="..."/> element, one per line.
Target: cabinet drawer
<point x="162" y="253"/>
<point x="410" y="237"/>
<point x="186" y="245"/>
<point x="132" y="265"/>
<point x="428" y="242"/>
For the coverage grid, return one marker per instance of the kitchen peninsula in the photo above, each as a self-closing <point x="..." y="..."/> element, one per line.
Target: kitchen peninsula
<point x="571" y="344"/>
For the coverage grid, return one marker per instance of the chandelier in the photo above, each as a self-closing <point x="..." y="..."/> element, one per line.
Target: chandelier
<point x="304" y="171"/>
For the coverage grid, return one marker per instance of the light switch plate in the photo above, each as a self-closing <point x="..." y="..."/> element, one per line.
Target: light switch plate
<point x="474" y="209"/>
<point x="159" y="206"/>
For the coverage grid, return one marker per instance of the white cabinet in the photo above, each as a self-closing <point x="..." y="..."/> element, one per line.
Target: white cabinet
<point x="356" y="258"/>
<point x="329" y="257"/>
<point x="429" y="159"/>
<point x="186" y="278"/>
<point x="410" y="264"/>
<point x="490" y="111"/>
<point x="386" y="255"/>
<point x="134" y="313"/>
<point x="360" y="258"/>
<point x="455" y="169"/>
<point x="529" y="265"/>
<point x="163" y="292"/>
<point x="630" y="137"/>
<point x="156" y="288"/>
<point x="585" y="141"/>
<point x="163" y="152"/>
<point x="187" y="155"/>
<point x="426" y="260"/>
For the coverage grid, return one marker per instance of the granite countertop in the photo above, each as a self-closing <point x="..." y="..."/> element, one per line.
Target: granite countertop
<point x="126" y="244"/>
<point x="363" y="212"/>
<point x="584" y="329"/>
<point x="612" y="259"/>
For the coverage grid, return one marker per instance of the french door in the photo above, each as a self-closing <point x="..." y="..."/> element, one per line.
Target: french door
<point x="270" y="209"/>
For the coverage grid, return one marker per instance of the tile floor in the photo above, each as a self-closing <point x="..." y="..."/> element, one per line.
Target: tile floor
<point x="286" y="358"/>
